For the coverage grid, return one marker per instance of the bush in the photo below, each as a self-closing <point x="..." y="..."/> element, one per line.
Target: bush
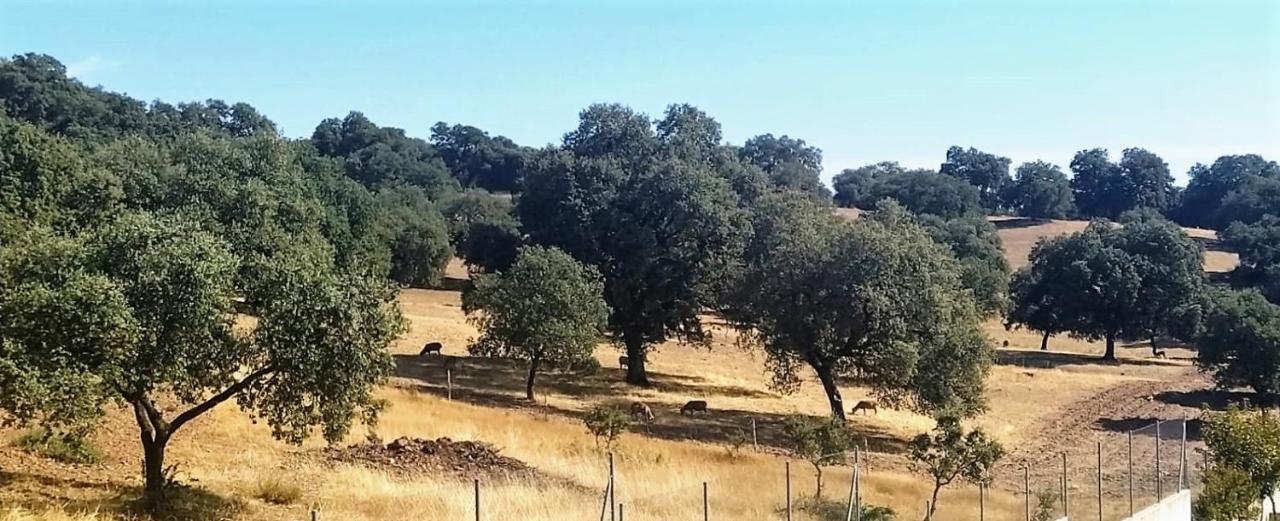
<point x="67" y="448"/>
<point x="829" y="510"/>
<point x="277" y="490"/>
<point x="607" y="423"/>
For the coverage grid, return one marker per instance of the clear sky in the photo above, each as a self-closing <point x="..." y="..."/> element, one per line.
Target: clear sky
<point x="864" y="81"/>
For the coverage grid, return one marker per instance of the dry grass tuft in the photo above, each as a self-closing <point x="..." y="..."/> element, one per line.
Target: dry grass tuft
<point x="277" y="489"/>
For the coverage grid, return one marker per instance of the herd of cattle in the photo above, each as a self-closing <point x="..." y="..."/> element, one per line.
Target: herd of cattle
<point x="642" y="412"/>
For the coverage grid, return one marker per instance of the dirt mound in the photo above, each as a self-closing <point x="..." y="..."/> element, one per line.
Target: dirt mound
<point x="442" y="456"/>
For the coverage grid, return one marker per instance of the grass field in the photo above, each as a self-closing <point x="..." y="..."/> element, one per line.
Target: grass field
<point x="1039" y="404"/>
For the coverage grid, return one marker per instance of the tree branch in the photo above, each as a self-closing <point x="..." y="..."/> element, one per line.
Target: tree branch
<point x="223" y="396"/>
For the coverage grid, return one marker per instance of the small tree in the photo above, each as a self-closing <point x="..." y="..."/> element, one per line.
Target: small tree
<point x="1247" y="441"/>
<point x="821" y="442"/>
<point x="949" y="454"/>
<point x="1041" y="191"/>
<point x="607" y="422"/>
<point x="1228" y="495"/>
<point x="1239" y="343"/>
<point x="545" y="308"/>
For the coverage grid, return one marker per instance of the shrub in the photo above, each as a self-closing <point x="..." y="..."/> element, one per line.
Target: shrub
<point x="64" y="447"/>
<point x="822" y="509"/>
<point x="607" y="423"/>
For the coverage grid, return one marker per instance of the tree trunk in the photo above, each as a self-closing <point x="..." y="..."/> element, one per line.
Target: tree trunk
<point x="636" y="374"/>
<point x="933" y="504"/>
<point x="533" y="373"/>
<point x="817" y="495"/>
<point x="153" y="466"/>
<point x="1155" y="349"/>
<point x="1110" y="354"/>
<point x="832" y="390"/>
<point x="1044" y="341"/>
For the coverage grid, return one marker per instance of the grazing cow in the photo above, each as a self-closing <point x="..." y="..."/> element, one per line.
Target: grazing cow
<point x="623" y="361"/>
<point x="866" y="405"/>
<point x="431" y="347"/>
<point x="694" y="406"/>
<point x="641" y="411"/>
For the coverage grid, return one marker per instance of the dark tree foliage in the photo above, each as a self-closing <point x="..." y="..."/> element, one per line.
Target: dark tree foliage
<point x="615" y="131"/>
<point x="926" y="192"/>
<point x="36" y="88"/>
<point x="1106" y="189"/>
<point x="876" y="300"/>
<point x="1240" y="341"/>
<point x="790" y="163"/>
<point x="1258" y="245"/>
<point x="1256" y="198"/>
<point x="483" y="229"/>
<point x="853" y="186"/>
<point x="1040" y="191"/>
<point x="383" y="156"/>
<point x="418" y="236"/>
<point x="984" y="269"/>
<point x="478" y="160"/>
<point x="988" y="172"/>
<point x="1202" y="202"/>
<point x="1109" y="282"/>
<point x="661" y="233"/>
<point x="689" y="133"/>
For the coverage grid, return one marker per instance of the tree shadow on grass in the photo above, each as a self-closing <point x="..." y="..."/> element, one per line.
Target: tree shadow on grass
<point x="1057" y="359"/>
<point x="1210" y="399"/>
<point x="1018" y="222"/>
<point x="500" y="384"/>
<point x="1144" y="427"/>
<point x="182" y="502"/>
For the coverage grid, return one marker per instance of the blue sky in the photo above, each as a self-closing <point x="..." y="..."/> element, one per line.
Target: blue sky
<point x="864" y="81"/>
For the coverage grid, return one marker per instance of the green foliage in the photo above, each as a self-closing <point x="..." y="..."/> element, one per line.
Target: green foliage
<point x="663" y="233"/>
<point x="689" y="133"/>
<point x="59" y="446"/>
<point x="853" y="186"/>
<point x="1046" y="505"/>
<point x="948" y="454"/>
<point x="484" y="229"/>
<point x="1105" y="189"/>
<point x="984" y="269"/>
<point x="607" y="423"/>
<point x="383" y="156"/>
<point x="790" y="164"/>
<point x="821" y="442"/>
<point x="1108" y="281"/>
<point x="876" y="299"/>
<point x="1239" y="343"/>
<point x="925" y="192"/>
<point x="1228" y="494"/>
<point x="1246" y="441"/>
<point x="546" y="307"/>
<point x="988" y="172"/>
<point x="823" y="509"/>
<point x="1229" y="178"/>
<point x="144" y="306"/>
<point x="1040" y="191"/>
<point x="418" y="236"/>
<point x="476" y="159"/>
<point x="1258" y="245"/>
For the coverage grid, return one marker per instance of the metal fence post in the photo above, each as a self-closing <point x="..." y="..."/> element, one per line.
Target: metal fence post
<point x="1099" y="481"/>
<point x="477" y="484"/>
<point x="1064" y="486"/>
<point x="788" y="470"/>
<point x="1130" y="433"/>
<point x="1184" y="481"/>
<point x="982" y="502"/>
<point x="1159" y="478"/>
<point x="706" y="503"/>
<point x="613" y="494"/>
<point x="1026" y="488"/>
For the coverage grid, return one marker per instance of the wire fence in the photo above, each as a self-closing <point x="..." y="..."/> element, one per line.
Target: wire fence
<point x="1123" y="473"/>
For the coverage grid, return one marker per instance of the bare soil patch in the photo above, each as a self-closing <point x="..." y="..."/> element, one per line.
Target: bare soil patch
<point x="463" y="459"/>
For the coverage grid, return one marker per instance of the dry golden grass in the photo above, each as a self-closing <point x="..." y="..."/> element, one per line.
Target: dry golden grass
<point x="661" y="467"/>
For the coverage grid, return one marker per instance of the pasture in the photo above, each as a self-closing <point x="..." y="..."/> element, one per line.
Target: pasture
<point x="1039" y="403"/>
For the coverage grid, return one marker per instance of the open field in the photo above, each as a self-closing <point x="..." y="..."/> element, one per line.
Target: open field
<point x="1040" y="404"/>
<point x="1020" y="235"/>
